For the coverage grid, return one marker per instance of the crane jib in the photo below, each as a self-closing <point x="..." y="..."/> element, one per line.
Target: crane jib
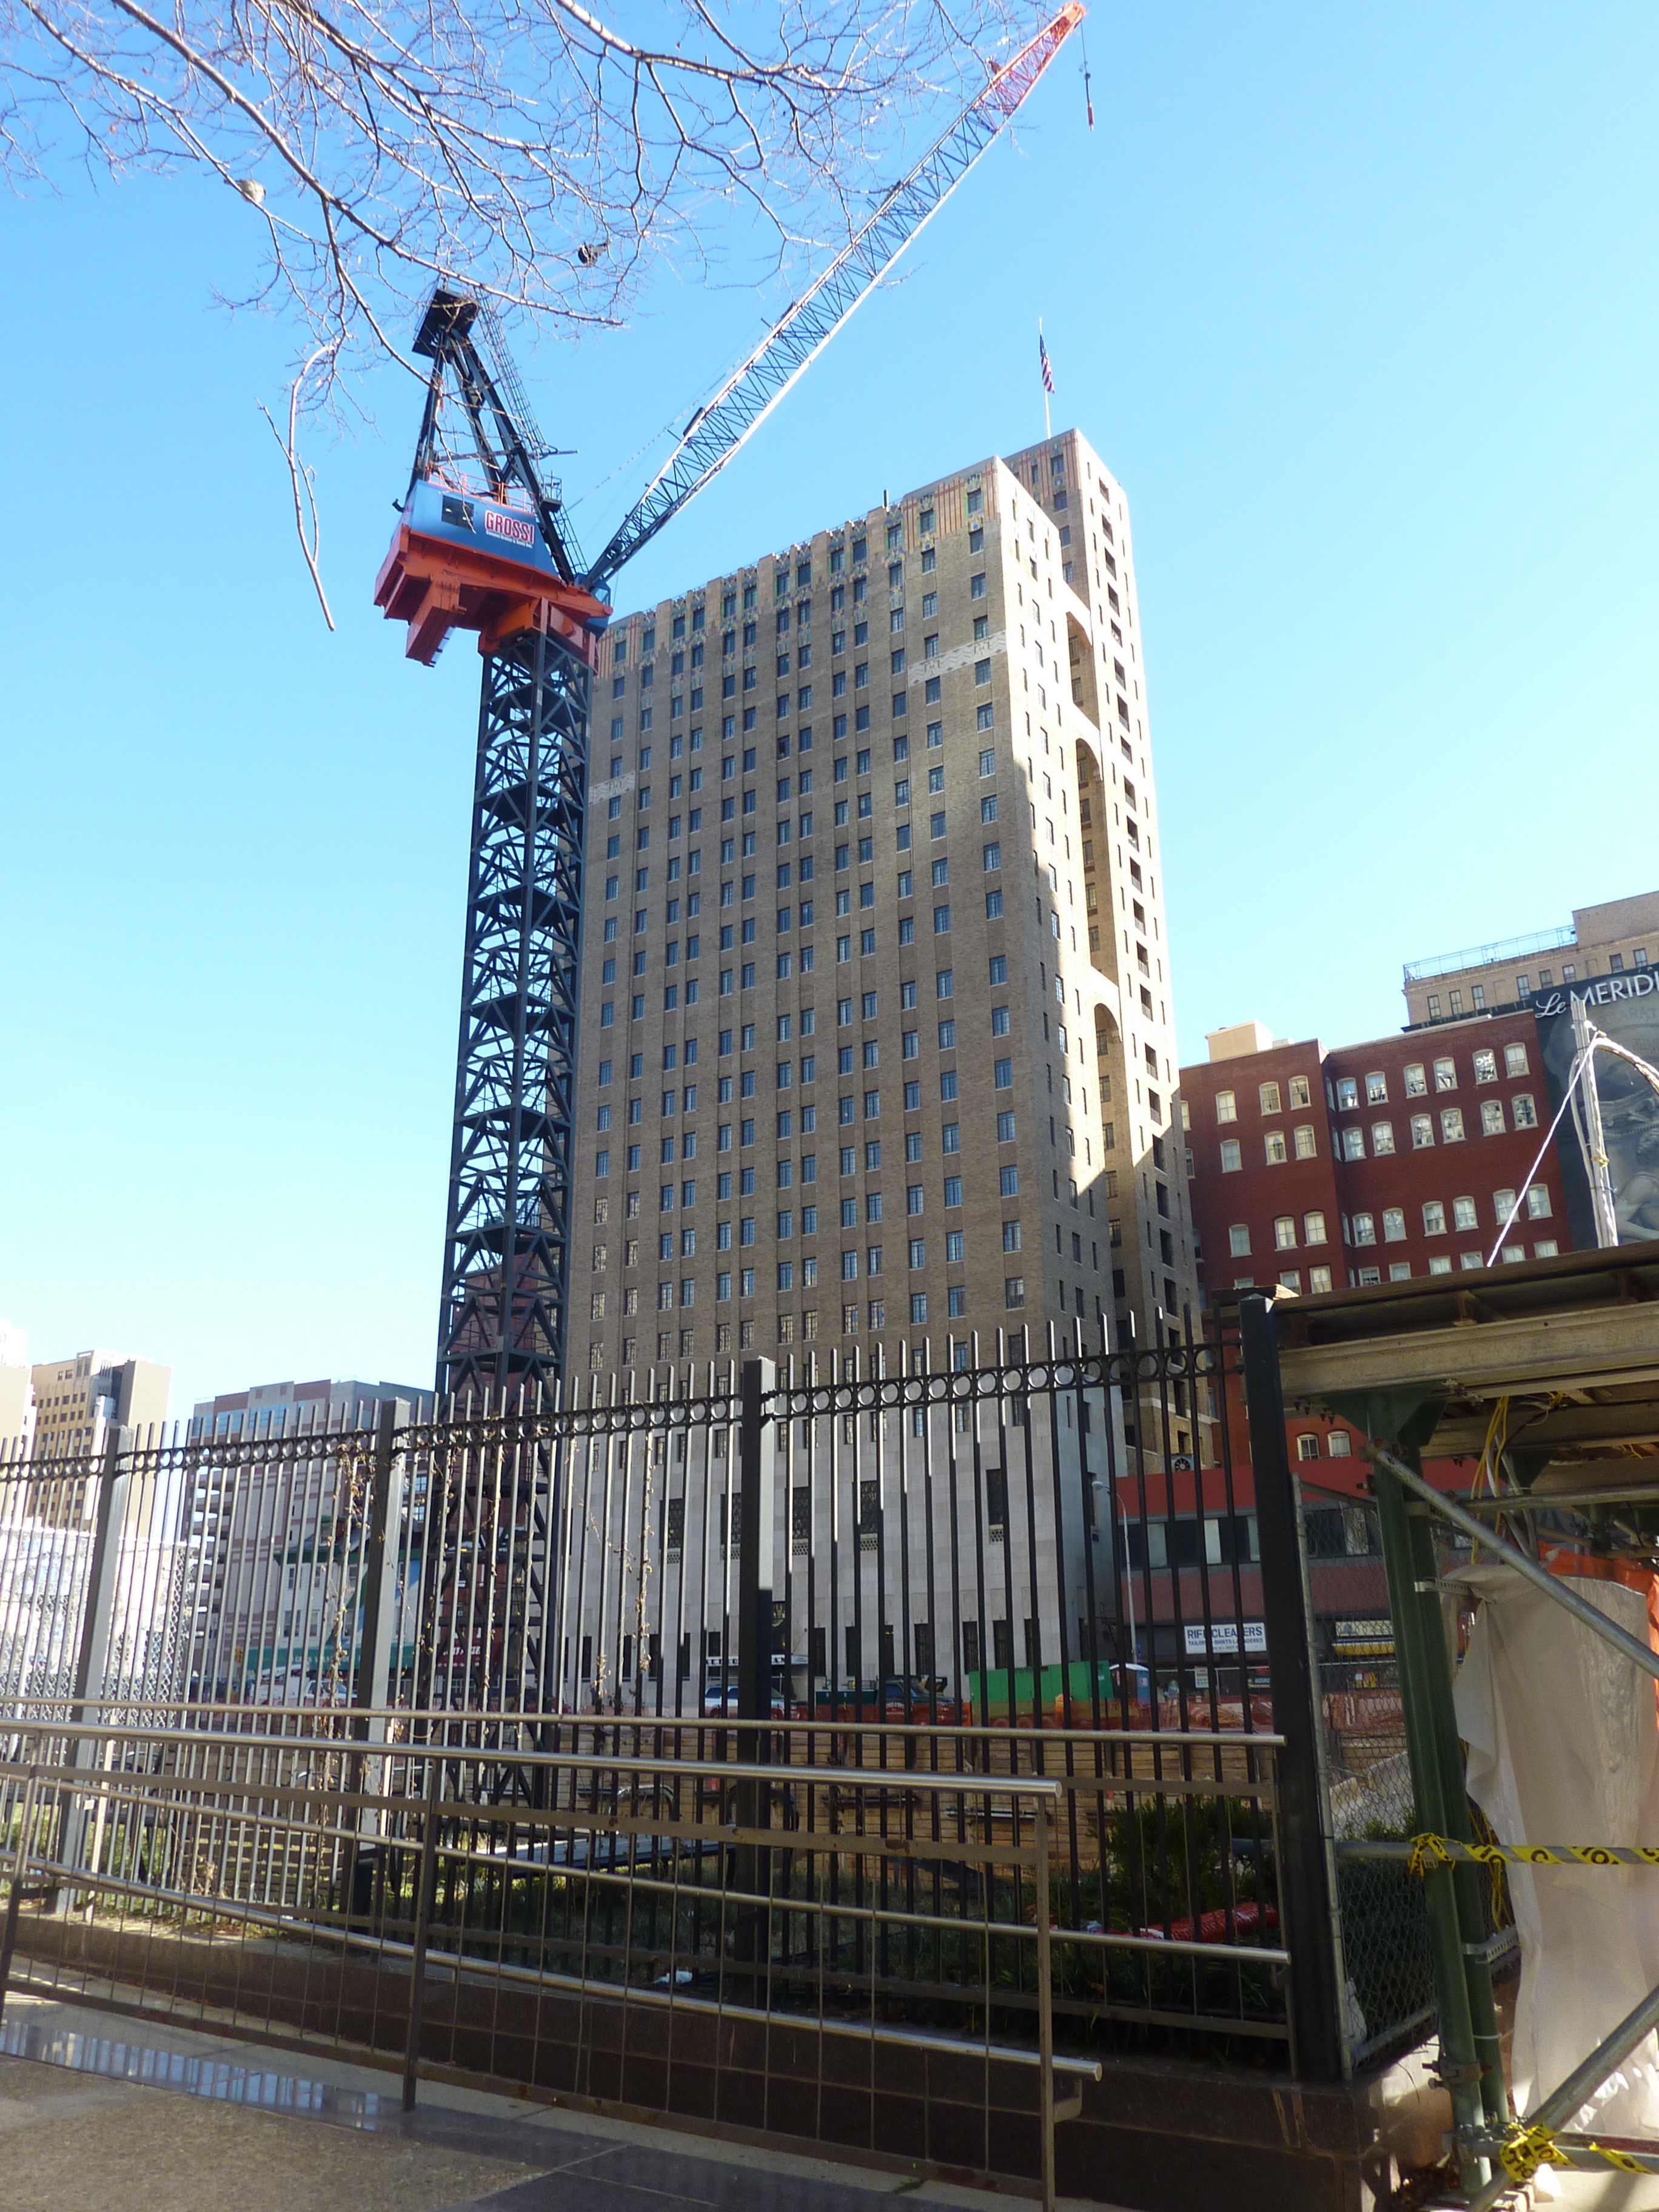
<point x="717" y="431"/>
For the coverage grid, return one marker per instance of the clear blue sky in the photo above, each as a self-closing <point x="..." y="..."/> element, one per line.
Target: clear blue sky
<point x="1358" y="305"/>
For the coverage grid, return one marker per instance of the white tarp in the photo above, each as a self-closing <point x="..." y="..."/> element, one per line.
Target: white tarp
<point x="1564" y="1748"/>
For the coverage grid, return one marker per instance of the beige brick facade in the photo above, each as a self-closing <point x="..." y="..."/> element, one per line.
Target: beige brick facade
<point x="877" y="1049"/>
<point x="1620" y="937"/>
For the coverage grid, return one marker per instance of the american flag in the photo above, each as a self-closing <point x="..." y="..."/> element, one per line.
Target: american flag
<point x="1047" y="373"/>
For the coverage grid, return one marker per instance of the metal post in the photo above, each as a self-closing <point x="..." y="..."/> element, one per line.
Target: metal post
<point x="371" y="1689"/>
<point x="758" y="1476"/>
<point x="20" y="1868"/>
<point x="97" y="1619"/>
<point x="425" y="1882"/>
<point x="1045" y="2002"/>
<point x="1306" y="1882"/>
<point x="1471" y="2062"/>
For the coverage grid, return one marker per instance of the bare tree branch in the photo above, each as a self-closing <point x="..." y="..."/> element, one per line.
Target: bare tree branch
<point x="300" y="477"/>
<point x="536" y="151"/>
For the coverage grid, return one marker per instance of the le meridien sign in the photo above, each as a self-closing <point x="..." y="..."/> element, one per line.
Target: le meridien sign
<point x="1603" y="990"/>
<point x="1224" y="1638"/>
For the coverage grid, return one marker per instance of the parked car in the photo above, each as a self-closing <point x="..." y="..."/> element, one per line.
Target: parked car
<point x="719" y="1702"/>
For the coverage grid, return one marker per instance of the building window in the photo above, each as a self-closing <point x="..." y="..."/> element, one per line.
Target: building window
<point x="1522" y="1112"/>
<point x="1274" y="1143"/>
<point x="1434" y="1007"/>
<point x="1514" y="1059"/>
<point x="1307" y="1446"/>
<point x="1268" y="1094"/>
<point x="1415" y="1085"/>
<point x="1285" y="1232"/>
<point x="1485" y="1066"/>
<point x="1451" y="1125"/>
<point x="1503" y="1205"/>
<point x="1377" y="1089"/>
<point x="1422" y="1131"/>
<point x="1313" y="1226"/>
<point x="1445" y="1075"/>
<point x="1492" y="1117"/>
<point x="1393" y="1224"/>
<point x="1347" y="1094"/>
<point x="1231" y="1156"/>
<point x="1364" y="1229"/>
<point x="1353" y="1144"/>
<point x="1238" y="1240"/>
<point x="1307" y="1145"/>
<point x="1464" y="1213"/>
<point x="1546" y="1249"/>
<point x="1382" y="1138"/>
<point x="1014" y="1290"/>
<point x="1538" y="1203"/>
<point x="1319" y="1280"/>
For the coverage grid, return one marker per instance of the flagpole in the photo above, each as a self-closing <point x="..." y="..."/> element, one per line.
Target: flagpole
<point x="1048" y="430"/>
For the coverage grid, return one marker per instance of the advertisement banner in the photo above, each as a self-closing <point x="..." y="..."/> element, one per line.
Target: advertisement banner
<point x="1626" y="1008"/>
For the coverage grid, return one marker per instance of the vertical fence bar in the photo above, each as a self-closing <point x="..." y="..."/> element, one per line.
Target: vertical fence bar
<point x="97" y="1619"/>
<point x="1474" y="2077"/>
<point x="425" y="1884"/>
<point x="758" y="1476"/>
<point x="1045" y="1995"/>
<point x="380" y="1596"/>
<point x="20" y="1868"/>
<point x="1306" y="1889"/>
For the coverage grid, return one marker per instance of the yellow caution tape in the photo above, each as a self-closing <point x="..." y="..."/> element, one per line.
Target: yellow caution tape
<point x="1526" y="2149"/>
<point x="1429" y="1851"/>
<point x="1529" y="2145"/>
<point x="1621" y="2159"/>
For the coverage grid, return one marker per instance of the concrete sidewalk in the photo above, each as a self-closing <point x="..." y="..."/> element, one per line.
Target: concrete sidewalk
<point x="93" y="2106"/>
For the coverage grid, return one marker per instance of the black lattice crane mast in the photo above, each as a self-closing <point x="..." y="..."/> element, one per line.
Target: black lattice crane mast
<point x="484" y="546"/>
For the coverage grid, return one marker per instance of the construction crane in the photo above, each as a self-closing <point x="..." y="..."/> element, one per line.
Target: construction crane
<point x="484" y="546"/>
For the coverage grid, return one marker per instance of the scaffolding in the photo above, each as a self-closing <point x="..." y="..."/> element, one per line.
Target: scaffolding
<point x="1545" y="1378"/>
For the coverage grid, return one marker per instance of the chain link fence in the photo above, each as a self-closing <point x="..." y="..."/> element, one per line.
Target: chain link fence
<point x="1390" y="1994"/>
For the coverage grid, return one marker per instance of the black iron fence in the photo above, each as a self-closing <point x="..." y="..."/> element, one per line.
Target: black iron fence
<point x="848" y="1593"/>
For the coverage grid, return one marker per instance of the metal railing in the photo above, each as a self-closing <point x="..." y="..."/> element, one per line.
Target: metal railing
<point x="1027" y="1571"/>
<point x="761" y="1928"/>
<point x="1483" y="955"/>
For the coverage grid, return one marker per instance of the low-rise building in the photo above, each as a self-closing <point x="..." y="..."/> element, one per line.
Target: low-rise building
<point x="77" y="1403"/>
<point x="1313" y="1169"/>
<point x="1617" y="938"/>
<point x="277" y="1592"/>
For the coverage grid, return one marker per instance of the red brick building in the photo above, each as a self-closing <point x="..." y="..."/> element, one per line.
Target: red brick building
<point x="1371" y="1163"/>
<point x="1318" y="1171"/>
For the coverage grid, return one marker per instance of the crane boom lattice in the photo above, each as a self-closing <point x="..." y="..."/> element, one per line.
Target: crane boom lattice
<point x="759" y="382"/>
